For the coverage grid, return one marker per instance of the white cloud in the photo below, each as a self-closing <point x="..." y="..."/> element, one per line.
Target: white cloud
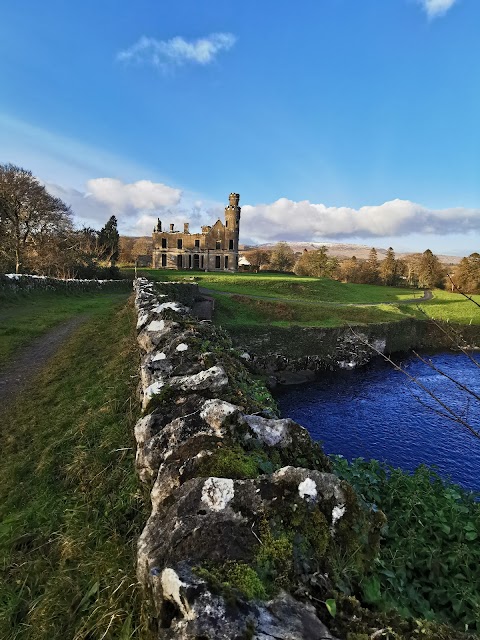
<point x="177" y="51"/>
<point x="143" y="195"/>
<point x="435" y="8"/>
<point x="289" y="220"/>
<point x="136" y="205"/>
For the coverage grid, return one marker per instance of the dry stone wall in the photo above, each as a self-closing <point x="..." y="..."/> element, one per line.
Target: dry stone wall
<point x="23" y="282"/>
<point x="246" y="516"/>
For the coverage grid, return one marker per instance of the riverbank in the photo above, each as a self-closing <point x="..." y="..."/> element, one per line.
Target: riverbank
<point x="286" y="352"/>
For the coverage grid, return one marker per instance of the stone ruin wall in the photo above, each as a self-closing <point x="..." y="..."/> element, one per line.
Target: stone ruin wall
<point x="214" y="249"/>
<point x="198" y="407"/>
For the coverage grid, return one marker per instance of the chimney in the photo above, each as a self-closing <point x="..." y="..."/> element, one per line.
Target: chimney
<point x="185" y="227"/>
<point x="171" y="227"/>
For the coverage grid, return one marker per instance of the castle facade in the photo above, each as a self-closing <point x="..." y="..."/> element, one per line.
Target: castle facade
<point x="214" y="249"/>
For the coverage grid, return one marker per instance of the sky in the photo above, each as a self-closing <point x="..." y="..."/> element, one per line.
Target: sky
<point x="336" y="120"/>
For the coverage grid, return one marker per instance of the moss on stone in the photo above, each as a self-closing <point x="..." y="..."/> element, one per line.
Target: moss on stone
<point x="232" y="462"/>
<point x="163" y="398"/>
<point x="313" y="527"/>
<point x="229" y="577"/>
<point x="244" y="578"/>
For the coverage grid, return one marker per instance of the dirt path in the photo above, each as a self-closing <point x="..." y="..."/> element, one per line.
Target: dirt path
<point x="427" y="295"/>
<point x="16" y="374"/>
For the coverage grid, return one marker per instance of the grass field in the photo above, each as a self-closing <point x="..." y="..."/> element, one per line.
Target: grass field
<point x="277" y="285"/>
<point x="325" y="292"/>
<point x="71" y="507"/>
<point x="449" y="307"/>
<point x="236" y="311"/>
<point x="28" y="315"/>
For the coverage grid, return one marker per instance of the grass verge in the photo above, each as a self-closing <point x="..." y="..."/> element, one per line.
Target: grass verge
<point x="71" y="507"/>
<point x="25" y="316"/>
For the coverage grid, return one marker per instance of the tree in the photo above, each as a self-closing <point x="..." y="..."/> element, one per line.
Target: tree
<point x="388" y="268"/>
<point x="29" y="216"/>
<point x="142" y="246"/>
<point x="349" y="269"/>
<point x="316" y="263"/>
<point x="282" y="258"/>
<point x="109" y="240"/>
<point x="412" y="268"/>
<point x="467" y="274"/>
<point x="372" y="267"/>
<point x="430" y="271"/>
<point x="125" y="246"/>
<point x="257" y="258"/>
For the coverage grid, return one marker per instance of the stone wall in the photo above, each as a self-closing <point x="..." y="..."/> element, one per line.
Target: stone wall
<point x="289" y="354"/>
<point x="247" y="520"/>
<point x="18" y="282"/>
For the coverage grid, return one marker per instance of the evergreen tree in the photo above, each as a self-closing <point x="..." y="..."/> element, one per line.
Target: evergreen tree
<point x="109" y="241"/>
<point x="388" y="268"/>
<point x="372" y="267"/>
<point x="430" y="271"/>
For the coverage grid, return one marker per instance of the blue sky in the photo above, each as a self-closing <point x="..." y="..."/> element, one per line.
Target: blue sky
<point x="346" y="120"/>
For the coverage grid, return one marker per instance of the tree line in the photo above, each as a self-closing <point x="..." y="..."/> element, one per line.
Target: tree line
<point x="37" y="234"/>
<point x="423" y="270"/>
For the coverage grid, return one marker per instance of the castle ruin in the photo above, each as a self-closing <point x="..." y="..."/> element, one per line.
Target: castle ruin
<point x="214" y="249"/>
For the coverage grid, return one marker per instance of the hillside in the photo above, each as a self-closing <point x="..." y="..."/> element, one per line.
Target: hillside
<point x="342" y="250"/>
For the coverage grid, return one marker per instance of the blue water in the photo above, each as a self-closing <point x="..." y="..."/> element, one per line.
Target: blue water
<point x="374" y="412"/>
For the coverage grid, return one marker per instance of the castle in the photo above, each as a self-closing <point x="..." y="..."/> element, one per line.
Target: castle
<point x="214" y="249"/>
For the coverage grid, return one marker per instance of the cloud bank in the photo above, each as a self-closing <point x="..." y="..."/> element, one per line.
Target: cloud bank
<point x="137" y="206"/>
<point x="177" y="51"/>
<point x="436" y="8"/>
<point x="286" y="219"/>
<point x="290" y="220"/>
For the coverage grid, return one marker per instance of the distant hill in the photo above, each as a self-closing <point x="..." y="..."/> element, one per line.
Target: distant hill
<point x="342" y="251"/>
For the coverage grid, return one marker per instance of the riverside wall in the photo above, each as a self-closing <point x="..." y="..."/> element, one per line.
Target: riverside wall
<point x="294" y="354"/>
<point x="247" y="520"/>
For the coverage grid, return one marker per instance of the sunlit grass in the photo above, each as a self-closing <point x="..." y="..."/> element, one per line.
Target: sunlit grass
<point x="288" y="286"/>
<point x="237" y="311"/>
<point x="26" y="316"/>
<point x="449" y="307"/>
<point x="71" y="507"/>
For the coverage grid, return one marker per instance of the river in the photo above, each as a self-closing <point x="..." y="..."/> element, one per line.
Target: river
<point x="376" y="412"/>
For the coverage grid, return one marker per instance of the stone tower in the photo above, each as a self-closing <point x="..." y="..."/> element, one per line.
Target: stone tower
<point x="232" y="213"/>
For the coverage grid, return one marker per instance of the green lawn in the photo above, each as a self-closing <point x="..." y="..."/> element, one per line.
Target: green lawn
<point x="445" y="306"/>
<point x="231" y="312"/>
<point x="277" y="285"/>
<point x="449" y="307"/>
<point x="71" y="507"/>
<point x="24" y="317"/>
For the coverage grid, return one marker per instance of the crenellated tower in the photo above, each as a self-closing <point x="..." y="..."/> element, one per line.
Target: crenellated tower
<point x="232" y="213"/>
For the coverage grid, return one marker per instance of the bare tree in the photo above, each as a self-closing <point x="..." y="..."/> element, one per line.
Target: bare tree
<point x="141" y="247"/>
<point x="257" y="258"/>
<point x="29" y="215"/>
